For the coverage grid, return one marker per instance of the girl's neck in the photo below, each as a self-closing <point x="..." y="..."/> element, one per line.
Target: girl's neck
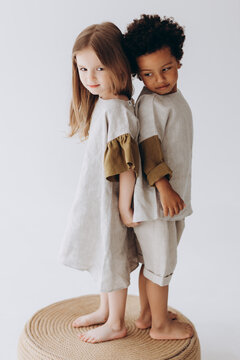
<point x="112" y="96"/>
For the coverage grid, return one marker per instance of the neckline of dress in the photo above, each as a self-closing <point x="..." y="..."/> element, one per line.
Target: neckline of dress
<point x="130" y="102"/>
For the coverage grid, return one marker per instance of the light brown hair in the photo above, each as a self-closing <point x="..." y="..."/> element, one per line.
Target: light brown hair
<point x="106" y="40"/>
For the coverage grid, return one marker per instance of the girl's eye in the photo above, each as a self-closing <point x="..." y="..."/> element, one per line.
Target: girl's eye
<point x="100" y="69"/>
<point x="82" y="69"/>
<point x="147" y="74"/>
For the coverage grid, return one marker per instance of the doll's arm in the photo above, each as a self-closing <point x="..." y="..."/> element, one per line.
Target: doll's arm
<point x="126" y="188"/>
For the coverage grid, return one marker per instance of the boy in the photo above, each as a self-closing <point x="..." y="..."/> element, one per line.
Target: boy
<point x="154" y="47"/>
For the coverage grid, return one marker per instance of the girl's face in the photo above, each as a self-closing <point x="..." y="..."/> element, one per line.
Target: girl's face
<point x="94" y="76"/>
<point x="159" y="71"/>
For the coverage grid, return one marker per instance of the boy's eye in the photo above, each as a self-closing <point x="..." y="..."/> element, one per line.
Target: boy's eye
<point x="100" y="69"/>
<point x="166" y="69"/>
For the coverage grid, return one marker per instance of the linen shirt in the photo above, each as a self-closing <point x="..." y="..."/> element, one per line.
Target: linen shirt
<point x="168" y="119"/>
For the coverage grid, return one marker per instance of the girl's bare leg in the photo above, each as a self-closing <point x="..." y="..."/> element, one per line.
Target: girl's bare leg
<point x="97" y="317"/>
<point x="114" y="328"/>
<point x="145" y="319"/>
<point x="162" y="327"/>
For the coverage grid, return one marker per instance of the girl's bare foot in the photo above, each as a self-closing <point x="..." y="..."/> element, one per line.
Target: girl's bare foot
<point x="103" y="333"/>
<point x="172" y="330"/>
<point x="145" y="320"/>
<point x="96" y="317"/>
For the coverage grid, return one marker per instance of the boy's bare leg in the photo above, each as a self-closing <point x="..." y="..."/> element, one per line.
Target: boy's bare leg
<point x="163" y="327"/>
<point x="114" y="328"/>
<point x="97" y="317"/>
<point x="145" y="319"/>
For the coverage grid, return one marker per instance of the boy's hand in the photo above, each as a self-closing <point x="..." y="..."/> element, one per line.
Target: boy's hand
<point x="126" y="216"/>
<point x="171" y="202"/>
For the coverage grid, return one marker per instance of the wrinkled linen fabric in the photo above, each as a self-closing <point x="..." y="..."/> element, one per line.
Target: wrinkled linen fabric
<point x="169" y="118"/>
<point x="95" y="240"/>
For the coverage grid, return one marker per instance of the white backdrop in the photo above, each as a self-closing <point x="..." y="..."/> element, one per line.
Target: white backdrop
<point x="40" y="165"/>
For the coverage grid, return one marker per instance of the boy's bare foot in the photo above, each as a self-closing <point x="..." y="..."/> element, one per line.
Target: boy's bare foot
<point x="172" y="330"/>
<point x="103" y="333"/>
<point x="96" y="317"/>
<point x="145" y="320"/>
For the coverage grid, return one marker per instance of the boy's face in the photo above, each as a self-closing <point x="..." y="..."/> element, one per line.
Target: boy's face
<point x="159" y="71"/>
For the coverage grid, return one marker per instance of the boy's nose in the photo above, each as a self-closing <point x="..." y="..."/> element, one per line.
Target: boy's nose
<point x="159" y="77"/>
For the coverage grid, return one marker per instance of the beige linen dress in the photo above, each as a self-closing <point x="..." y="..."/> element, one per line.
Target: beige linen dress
<point x="95" y="239"/>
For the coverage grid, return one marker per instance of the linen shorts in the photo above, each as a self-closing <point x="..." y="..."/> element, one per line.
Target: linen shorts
<point x="157" y="243"/>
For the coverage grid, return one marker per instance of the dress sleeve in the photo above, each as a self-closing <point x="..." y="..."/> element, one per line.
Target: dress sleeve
<point x="153" y="163"/>
<point x="121" y="154"/>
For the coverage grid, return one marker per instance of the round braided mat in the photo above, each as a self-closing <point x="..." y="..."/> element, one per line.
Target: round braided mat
<point x="49" y="335"/>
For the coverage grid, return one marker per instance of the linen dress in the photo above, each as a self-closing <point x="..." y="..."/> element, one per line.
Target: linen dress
<point x="95" y="238"/>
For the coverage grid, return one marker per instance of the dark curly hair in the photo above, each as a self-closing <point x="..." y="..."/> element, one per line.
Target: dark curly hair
<point x="151" y="33"/>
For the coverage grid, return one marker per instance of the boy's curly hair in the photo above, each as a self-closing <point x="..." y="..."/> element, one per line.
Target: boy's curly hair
<point x="151" y="33"/>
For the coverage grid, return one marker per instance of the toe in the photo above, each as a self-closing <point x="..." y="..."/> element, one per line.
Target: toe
<point x="84" y="337"/>
<point x="90" y="340"/>
<point x="190" y="330"/>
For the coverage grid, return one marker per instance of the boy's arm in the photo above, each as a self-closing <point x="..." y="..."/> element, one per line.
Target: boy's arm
<point x="171" y="202"/>
<point x="158" y="173"/>
<point x="126" y="187"/>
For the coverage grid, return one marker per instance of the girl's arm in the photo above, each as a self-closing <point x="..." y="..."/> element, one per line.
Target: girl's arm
<point x="126" y="187"/>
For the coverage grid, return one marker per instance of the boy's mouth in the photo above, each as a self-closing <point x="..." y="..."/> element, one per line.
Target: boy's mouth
<point x="162" y="87"/>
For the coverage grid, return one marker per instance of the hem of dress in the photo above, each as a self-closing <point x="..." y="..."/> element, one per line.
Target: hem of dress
<point x="76" y="267"/>
<point x="105" y="290"/>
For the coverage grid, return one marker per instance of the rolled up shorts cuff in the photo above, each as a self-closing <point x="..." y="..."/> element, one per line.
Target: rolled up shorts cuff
<point x="157" y="279"/>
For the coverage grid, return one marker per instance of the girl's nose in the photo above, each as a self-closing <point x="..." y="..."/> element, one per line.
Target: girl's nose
<point x="91" y="76"/>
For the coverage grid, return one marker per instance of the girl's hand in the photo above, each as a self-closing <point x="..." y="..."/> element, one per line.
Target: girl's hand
<point x="171" y="202"/>
<point x="126" y="216"/>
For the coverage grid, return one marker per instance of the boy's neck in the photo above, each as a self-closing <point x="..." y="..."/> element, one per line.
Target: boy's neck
<point x="174" y="90"/>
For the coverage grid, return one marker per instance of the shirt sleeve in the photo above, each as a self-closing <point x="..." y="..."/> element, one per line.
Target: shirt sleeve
<point x="122" y="151"/>
<point x="153" y="119"/>
<point x="153" y="164"/>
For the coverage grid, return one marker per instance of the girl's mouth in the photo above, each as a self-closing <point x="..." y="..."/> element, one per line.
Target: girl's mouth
<point x="93" y="86"/>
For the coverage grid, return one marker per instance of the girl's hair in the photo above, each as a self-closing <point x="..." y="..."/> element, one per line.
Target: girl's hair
<point x="106" y="40"/>
<point x="151" y="33"/>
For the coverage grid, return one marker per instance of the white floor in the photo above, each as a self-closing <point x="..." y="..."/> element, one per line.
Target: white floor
<point x="40" y="166"/>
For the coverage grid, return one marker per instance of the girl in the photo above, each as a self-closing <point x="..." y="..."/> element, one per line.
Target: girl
<point x="95" y="239"/>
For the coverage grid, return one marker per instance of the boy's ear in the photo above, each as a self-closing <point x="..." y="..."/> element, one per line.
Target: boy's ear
<point x="179" y="65"/>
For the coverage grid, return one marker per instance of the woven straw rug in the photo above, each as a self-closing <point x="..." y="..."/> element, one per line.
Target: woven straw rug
<point x="49" y="335"/>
